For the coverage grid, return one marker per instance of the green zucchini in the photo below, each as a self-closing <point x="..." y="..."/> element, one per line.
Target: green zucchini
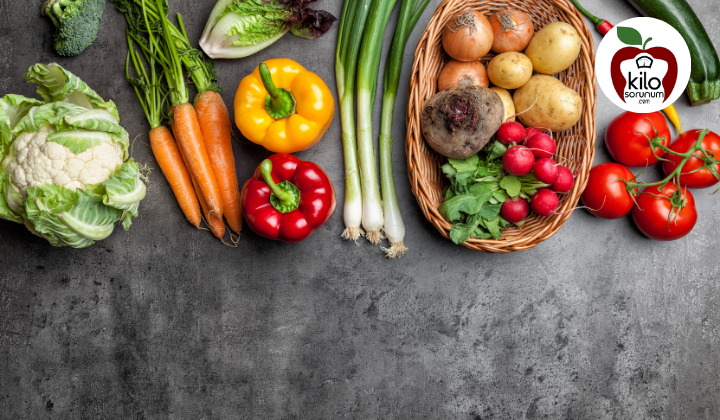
<point x="704" y="83"/>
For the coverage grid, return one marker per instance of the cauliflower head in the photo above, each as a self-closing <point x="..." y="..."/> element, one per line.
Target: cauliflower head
<point x="39" y="161"/>
<point x="64" y="171"/>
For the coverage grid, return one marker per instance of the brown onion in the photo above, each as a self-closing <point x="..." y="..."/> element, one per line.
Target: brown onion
<point x="462" y="73"/>
<point x="512" y="30"/>
<point x="467" y="36"/>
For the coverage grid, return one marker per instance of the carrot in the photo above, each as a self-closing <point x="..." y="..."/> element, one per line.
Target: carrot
<point x="171" y="162"/>
<point x="217" y="131"/>
<point x="187" y="131"/>
<point x="217" y="227"/>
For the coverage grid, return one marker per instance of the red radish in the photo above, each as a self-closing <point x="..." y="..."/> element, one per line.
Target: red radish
<point x="542" y="145"/>
<point x="511" y="132"/>
<point x="518" y="160"/>
<point x="515" y="210"/>
<point x="530" y="131"/>
<point x="546" y="170"/>
<point x="544" y="202"/>
<point x="564" y="182"/>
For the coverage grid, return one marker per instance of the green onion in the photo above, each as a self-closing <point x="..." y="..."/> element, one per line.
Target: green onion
<point x="394" y="227"/>
<point x="352" y="25"/>
<point x="369" y="63"/>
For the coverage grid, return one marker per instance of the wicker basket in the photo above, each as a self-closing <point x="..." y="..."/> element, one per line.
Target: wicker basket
<point x="576" y="147"/>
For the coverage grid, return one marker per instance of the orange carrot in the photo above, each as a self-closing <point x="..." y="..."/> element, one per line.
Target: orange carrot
<point x="217" y="227"/>
<point x="217" y="131"/>
<point x="171" y="162"/>
<point x="192" y="145"/>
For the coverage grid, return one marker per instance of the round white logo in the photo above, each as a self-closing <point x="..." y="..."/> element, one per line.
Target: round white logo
<point x="643" y="65"/>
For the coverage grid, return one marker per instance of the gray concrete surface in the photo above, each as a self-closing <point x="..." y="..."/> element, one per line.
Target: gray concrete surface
<point x="164" y="322"/>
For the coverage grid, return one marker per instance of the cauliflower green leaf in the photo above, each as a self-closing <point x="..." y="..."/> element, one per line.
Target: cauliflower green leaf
<point x="64" y="217"/>
<point x="124" y="190"/>
<point x="56" y="84"/>
<point x="12" y="109"/>
<point x="5" y="211"/>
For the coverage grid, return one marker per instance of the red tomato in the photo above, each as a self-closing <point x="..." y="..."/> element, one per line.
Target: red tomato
<point x="702" y="178"/>
<point x="652" y="212"/>
<point x="626" y="141"/>
<point x="605" y="195"/>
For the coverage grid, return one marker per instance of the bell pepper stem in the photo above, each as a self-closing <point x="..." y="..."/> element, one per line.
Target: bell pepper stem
<point x="266" y="78"/>
<point x="279" y="102"/>
<point x="266" y="171"/>
<point x="285" y="196"/>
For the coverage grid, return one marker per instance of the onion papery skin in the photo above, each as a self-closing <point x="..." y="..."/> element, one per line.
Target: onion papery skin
<point x="467" y="36"/>
<point x="462" y="73"/>
<point x="512" y="30"/>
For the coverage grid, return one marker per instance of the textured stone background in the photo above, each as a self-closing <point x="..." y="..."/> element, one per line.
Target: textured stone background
<point x="165" y="322"/>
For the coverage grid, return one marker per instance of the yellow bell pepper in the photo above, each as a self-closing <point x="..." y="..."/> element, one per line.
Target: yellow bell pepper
<point x="283" y="107"/>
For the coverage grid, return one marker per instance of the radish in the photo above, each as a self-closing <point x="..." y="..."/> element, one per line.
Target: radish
<point x="529" y="132"/>
<point x="544" y="202"/>
<point x="546" y="170"/>
<point x="515" y="210"/>
<point x="511" y="132"/>
<point x="518" y="160"/>
<point x="564" y="182"/>
<point x="542" y="145"/>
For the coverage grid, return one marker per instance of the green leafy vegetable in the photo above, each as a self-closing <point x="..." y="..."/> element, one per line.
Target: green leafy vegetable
<point x="512" y="185"/>
<point x="478" y="187"/>
<point x="239" y="28"/>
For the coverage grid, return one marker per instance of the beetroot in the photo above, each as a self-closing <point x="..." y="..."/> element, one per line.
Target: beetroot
<point x="544" y="202"/>
<point x="542" y="145"/>
<point x="546" y="170"/>
<point x="460" y="121"/>
<point x="564" y="182"/>
<point x="518" y="160"/>
<point x="511" y="132"/>
<point x="515" y="210"/>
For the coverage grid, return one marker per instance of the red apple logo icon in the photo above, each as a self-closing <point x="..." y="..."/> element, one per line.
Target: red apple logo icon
<point x="641" y="83"/>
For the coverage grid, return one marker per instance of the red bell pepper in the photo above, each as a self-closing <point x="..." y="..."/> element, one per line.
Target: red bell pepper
<point x="287" y="198"/>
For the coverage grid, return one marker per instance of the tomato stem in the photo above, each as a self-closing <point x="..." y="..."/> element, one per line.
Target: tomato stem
<point x="677" y="200"/>
<point x="678" y="170"/>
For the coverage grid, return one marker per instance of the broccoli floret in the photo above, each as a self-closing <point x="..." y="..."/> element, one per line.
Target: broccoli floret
<point x="77" y="23"/>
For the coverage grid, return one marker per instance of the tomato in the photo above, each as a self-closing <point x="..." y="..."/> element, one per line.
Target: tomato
<point x="605" y="195"/>
<point x="652" y="212"/>
<point x="626" y="141"/>
<point x="702" y="178"/>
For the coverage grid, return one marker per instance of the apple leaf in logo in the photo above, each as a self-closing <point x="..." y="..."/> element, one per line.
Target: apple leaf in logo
<point x="629" y="36"/>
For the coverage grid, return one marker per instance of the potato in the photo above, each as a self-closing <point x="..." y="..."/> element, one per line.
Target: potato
<point x="507" y="102"/>
<point x="510" y="70"/>
<point x="554" y="48"/>
<point x="556" y="106"/>
<point x="459" y="121"/>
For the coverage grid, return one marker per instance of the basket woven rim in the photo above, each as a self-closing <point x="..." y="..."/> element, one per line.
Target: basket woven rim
<point x="423" y="174"/>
